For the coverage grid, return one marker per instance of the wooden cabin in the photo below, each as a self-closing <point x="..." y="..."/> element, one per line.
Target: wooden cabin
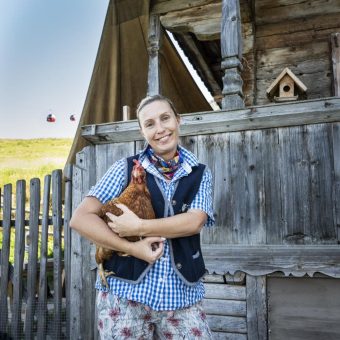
<point x="273" y="259"/>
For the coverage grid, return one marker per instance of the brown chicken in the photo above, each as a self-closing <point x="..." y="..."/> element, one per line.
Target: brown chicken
<point x="137" y="198"/>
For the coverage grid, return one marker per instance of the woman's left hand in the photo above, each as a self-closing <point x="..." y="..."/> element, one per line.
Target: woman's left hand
<point x="127" y="224"/>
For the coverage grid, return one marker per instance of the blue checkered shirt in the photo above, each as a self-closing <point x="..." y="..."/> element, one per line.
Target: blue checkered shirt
<point x="161" y="288"/>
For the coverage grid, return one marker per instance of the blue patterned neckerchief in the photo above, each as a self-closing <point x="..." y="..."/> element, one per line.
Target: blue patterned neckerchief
<point x="166" y="168"/>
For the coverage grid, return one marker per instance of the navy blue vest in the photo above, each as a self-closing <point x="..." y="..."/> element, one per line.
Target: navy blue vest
<point x="185" y="252"/>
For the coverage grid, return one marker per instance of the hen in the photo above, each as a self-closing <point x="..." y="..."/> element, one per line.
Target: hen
<point x="137" y="198"/>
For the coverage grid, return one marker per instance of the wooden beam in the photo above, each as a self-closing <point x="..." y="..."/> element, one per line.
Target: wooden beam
<point x="259" y="117"/>
<point x="203" y="21"/>
<point x="231" y="50"/>
<point x="256" y="307"/>
<point x="335" y="43"/>
<point x="161" y="6"/>
<point x="258" y="260"/>
<point x="154" y="37"/>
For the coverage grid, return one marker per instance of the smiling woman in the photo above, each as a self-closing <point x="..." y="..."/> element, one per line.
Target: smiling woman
<point x="163" y="279"/>
<point x="159" y="124"/>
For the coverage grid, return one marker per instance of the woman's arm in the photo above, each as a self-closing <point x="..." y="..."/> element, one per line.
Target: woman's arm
<point x="129" y="224"/>
<point x="86" y="222"/>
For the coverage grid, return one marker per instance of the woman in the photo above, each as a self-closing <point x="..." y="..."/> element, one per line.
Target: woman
<point x="165" y="301"/>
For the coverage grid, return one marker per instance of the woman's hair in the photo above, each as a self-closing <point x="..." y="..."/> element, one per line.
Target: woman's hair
<point x="150" y="99"/>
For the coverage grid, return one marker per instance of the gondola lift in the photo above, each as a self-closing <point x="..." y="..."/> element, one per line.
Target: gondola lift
<point x="51" y="118"/>
<point x="72" y="118"/>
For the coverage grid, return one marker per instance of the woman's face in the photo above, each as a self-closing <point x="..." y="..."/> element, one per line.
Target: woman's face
<point x="160" y="128"/>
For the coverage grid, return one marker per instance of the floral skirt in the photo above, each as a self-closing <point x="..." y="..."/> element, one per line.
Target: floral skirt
<point x="119" y="318"/>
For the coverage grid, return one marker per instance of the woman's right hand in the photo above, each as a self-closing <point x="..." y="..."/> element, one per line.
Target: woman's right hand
<point x="149" y="249"/>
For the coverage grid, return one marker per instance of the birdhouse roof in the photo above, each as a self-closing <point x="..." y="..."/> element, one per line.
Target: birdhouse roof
<point x="272" y="88"/>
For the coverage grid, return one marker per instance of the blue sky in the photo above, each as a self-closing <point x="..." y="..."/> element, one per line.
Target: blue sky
<point x="47" y="53"/>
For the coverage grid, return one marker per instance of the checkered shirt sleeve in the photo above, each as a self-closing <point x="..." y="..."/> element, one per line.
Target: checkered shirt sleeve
<point x="204" y="198"/>
<point x="111" y="184"/>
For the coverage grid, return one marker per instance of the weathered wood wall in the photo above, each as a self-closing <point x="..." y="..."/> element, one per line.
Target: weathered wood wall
<point x="303" y="308"/>
<point x="276" y="34"/>
<point x="295" y="34"/>
<point x="276" y="178"/>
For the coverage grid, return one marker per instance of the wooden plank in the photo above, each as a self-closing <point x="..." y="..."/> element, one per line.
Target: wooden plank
<point x="268" y="11"/>
<point x="256" y="307"/>
<point x="88" y="275"/>
<point x="154" y="39"/>
<point x="228" y="336"/>
<point x="272" y="187"/>
<point x="295" y="185"/>
<point x="225" y="292"/>
<point x="16" y="322"/>
<point x="108" y="154"/>
<point x="224" y="307"/>
<point x="259" y="117"/>
<point x="335" y="45"/>
<point x="231" y="324"/>
<point x="303" y="308"/>
<point x="203" y="21"/>
<point x="67" y="240"/>
<point x="292" y="34"/>
<point x="319" y="146"/>
<point x="57" y="268"/>
<point x="33" y="256"/>
<point x="42" y="299"/>
<point x="298" y="260"/>
<point x="76" y="253"/>
<point x="161" y="6"/>
<point x="5" y="249"/>
<point x="214" y="151"/>
<point x="336" y="190"/>
<point x="314" y="50"/>
<point x="211" y="278"/>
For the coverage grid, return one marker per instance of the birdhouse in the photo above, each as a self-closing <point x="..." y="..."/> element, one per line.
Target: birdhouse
<point x="286" y="87"/>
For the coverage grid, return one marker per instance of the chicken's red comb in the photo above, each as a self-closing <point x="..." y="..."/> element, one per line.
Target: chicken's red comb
<point x="137" y="162"/>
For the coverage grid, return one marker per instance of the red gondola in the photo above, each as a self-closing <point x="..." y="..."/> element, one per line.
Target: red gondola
<point x="51" y="118"/>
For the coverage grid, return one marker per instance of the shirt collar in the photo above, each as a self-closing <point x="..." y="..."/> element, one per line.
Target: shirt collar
<point x="189" y="160"/>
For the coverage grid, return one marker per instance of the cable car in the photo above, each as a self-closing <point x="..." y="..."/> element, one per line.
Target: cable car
<point x="50" y="118"/>
<point x="72" y="118"/>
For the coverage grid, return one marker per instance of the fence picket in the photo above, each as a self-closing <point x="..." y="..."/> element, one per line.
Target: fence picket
<point x="42" y="302"/>
<point x="57" y="268"/>
<point x="6" y="237"/>
<point x="67" y="240"/>
<point x="33" y="256"/>
<point x="16" y="326"/>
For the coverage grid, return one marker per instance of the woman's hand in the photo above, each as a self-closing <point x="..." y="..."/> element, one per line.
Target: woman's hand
<point x="127" y="224"/>
<point x="149" y="249"/>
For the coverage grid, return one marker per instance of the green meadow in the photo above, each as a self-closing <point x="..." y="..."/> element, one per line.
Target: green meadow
<point x="31" y="158"/>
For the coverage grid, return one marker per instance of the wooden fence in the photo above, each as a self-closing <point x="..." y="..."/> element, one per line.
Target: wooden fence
<point x="36" y="307"/>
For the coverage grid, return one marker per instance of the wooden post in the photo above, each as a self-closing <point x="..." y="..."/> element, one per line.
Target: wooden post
<point x="57" y="227"/>
<point x="42" y="302"/>
<point x="154" y="38"/>
<point x="335" y="43"/>
<point x="16" y="324"/>
<point x="67" y="240"/>
<point x="4" y="258"/>
<point x="33" y="256"/>
<point x="231" y="50"/>
<point x="257" y="307"/>
<point x="126" y="112"/>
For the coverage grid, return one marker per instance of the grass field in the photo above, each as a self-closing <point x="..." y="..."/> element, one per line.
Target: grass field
<point x="26" y="159"/>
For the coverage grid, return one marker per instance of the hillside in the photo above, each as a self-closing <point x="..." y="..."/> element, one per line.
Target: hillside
<point x="29" y="158"/>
